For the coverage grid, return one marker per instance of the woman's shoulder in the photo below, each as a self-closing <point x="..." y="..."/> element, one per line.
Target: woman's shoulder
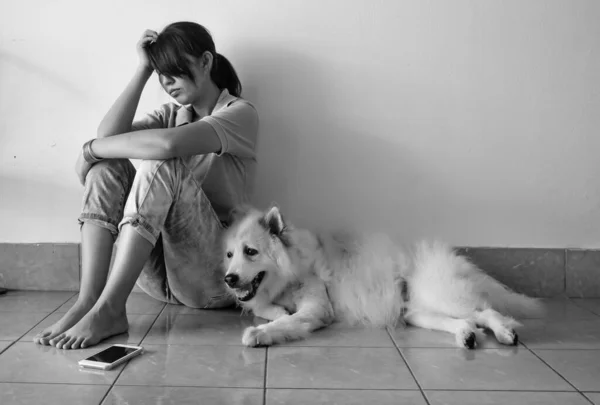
<point x="229" y="101"/>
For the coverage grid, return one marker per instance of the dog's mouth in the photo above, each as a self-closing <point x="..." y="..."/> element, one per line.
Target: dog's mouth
<point x="247" y="292"/>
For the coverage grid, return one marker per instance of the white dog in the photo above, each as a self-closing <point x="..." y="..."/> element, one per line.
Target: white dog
<point x="302" y="281"/>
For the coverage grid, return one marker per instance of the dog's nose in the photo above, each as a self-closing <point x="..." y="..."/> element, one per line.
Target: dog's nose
<point x="231" y="279"/>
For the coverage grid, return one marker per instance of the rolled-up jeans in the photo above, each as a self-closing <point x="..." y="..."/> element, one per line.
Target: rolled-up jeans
<point x="165" y="204"/>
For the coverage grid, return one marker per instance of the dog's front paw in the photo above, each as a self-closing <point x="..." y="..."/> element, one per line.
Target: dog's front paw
<point x="255" y="336"/>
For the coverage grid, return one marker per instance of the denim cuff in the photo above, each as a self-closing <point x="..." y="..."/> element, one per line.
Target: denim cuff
<point x="142" y="226"/>
<point x="99" y="220"/>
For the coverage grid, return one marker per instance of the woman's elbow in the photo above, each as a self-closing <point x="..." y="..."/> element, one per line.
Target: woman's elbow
<point x="170" y="149"/>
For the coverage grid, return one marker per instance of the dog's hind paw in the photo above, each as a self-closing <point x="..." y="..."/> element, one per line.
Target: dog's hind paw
<point x="507" y="337"/>
<point x="467" y="339"/>
<point x="255" y="336"/>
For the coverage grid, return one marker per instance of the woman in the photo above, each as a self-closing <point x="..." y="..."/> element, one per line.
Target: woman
<point x="198" y="163"/>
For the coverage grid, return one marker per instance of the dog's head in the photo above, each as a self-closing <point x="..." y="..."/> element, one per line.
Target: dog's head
<point x="256" y="253"/>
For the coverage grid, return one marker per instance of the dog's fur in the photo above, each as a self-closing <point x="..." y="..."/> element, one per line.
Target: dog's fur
<point x="309" y="281"/>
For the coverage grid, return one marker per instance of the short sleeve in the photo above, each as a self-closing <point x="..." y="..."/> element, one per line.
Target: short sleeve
<point x="151" y="120"/>
<point x="237" y="128"/>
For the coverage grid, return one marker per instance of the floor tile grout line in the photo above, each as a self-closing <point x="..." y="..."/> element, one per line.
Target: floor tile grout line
<point x="408" y="367"/>
<point x="127" y="363"/>
<point x="190" y="345"/>
<point x="552" y="368"/>
<point x="587" y="398"/>
<point x="34" y="326"/>
<point x="265" y="377"/>
<point x="584" y="308"/>
<point x="224" y="387"/>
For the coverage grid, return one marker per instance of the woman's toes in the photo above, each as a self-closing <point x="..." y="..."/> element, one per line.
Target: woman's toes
<point x="61" y="343"/>
<point x="41" y="337"/>
<point x="77" y="343"/>
<point x="54" y="341"/>
<point x="69" y="343"/>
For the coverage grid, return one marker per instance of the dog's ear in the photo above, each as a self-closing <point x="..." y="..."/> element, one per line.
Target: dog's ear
<point x="273" y="220"/>
<point x="239" y="212"/>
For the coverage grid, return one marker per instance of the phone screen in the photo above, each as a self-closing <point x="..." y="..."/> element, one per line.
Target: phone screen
<point x="111" y="354"/>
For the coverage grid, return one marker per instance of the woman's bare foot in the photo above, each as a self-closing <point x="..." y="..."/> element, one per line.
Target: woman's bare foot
<point x="98" y="324"/>
<point x="73" y="315"/>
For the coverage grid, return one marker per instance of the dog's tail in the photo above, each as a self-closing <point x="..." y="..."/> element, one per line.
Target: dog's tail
<point x="364" y="281"/>
<point x="449" y="283"/>
<point x="503" y="299"/>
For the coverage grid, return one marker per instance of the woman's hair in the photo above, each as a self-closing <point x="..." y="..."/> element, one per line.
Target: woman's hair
<point x="168" y="55"/>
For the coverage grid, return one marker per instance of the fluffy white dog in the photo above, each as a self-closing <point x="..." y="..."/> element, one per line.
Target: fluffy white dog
<point x="302" y="281"/>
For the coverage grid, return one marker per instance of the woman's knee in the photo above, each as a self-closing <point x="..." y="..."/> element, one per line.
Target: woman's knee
<point x="166" y="172"/>
<point x="115" y="169"/>
<point x="152" y="166"/>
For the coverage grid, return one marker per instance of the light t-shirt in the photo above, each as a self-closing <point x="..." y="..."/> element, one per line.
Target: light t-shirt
<point x="226" y="177"/>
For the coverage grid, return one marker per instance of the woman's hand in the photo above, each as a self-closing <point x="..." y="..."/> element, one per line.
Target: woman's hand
<point x="82" y="168"/>
<point x="147" y="38"/>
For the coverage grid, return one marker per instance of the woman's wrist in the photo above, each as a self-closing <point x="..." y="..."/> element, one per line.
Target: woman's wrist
<point x="88" y="154"/>
<point x="144" y="71"/>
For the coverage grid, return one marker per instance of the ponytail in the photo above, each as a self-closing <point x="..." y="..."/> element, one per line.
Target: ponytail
<point x="224" y="75"/>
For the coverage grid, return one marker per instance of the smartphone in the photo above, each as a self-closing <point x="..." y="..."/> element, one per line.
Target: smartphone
<point x="111" y="357"/>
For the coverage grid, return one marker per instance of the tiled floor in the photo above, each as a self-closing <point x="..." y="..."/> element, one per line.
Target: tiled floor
<point x="195" y="357"/>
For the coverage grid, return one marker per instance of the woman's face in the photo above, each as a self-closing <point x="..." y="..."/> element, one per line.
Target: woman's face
<point x="186" y="90"/>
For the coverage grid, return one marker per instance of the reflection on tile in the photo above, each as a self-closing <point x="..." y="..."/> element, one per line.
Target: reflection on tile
<point x="576" y="334"/>
<point x="580" y="367"/>
<point x="33" y="301"/>
<point x="121" y="395"/>
<point x="340" y="335"/>
<point x="197" y="366"/>
<point x="564" y="309"/>
<point x="137" y="303"/>
<point x="13" y="324"/>
<point x="138" y="327"/>
<point x="411" y="336"/>
<point x="345" y="397"/>
<point x="337" y="367"/>
<point x="504" y="397"/>
<point x="28" y="362"/>
<point x="183" y="310"/>
<point x="35" y="394"/>
<point x="591" y="304"/>
<point x="594" y="397"/>
<point x="483" y="369"/>
<point x="582" y="269"/>
<point x="536" y="272"/>
<point x="40" y="266"/>
<point x="212" y="327"/>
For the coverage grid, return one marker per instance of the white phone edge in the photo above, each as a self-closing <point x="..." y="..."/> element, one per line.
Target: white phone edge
<point x="108" y="366"/>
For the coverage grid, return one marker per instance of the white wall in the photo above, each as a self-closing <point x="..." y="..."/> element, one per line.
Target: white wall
<point x="474" y="121"/>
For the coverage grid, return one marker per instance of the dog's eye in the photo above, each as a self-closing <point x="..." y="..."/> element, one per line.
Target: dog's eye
<point x="248" y="251"/>
<point x="229" y="255"/>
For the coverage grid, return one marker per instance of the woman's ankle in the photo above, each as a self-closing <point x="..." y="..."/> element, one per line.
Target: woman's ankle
<point x="87" y="300"/>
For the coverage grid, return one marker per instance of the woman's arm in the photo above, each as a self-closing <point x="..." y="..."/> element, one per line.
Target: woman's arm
<point x="158" y="144"/>
<point x="120" y="116"/>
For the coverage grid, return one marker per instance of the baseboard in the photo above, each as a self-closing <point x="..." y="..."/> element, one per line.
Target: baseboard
<point x="537" y="272"/>
<point x="39" y="266"/>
